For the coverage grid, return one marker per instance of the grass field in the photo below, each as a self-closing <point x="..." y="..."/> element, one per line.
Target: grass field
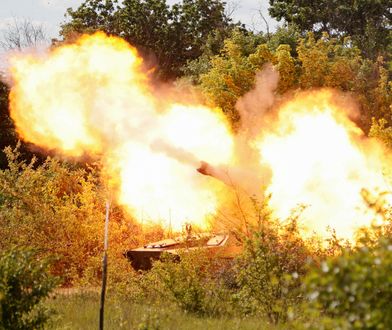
<point x="81" y="310"/>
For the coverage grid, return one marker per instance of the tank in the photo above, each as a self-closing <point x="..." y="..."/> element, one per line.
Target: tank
<point x="222" y="245"/>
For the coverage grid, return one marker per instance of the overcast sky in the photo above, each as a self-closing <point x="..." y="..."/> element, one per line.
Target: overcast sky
<point x="50" y="13"/>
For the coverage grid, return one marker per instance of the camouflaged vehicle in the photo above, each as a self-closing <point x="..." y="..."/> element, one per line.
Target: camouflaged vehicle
<point x="220" y="245"/>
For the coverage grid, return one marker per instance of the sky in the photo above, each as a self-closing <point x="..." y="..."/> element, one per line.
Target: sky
<point x="50" y="13"/>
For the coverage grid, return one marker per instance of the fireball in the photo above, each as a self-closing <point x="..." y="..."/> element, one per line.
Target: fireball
<point x="321" y="160"/>
<point x="93" y="97"/>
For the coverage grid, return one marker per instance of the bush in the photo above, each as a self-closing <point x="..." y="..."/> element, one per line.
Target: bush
<point x="356" y="286"/>
<point x="59" y="208"/>
<point x="193" y="284"/>
<point x="24" y="282"/>
<point x="270" y="270"/>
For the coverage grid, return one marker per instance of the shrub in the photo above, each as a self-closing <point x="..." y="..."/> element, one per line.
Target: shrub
<point x="356" y="286"/>
<point x="270" y="270"/>
<point x="24" y="282"/>
<point x="59" y="208"/>
<point x="193" y="283"/>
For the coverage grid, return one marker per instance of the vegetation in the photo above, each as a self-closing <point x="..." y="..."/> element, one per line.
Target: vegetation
<point x="79" y="311"/>
<point x="173" y="35"/>
<point x="57" y="207"/>
<point x="25" y="282"/>
<point x="367" y="22"/>
<point x="355" y="286"/>
<point x="322" y="62"/>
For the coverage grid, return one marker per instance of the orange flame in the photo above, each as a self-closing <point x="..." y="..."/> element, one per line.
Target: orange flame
<point x="93" y="97"/>
<point x="322" y="160"/>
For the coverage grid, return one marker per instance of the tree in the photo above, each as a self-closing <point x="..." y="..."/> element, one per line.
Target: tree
<point x="380" y="130"/>
<point x="315" y="62"/>
<point x="368" y="22"/>
<point x="23" y="34"/>
<point x="7" y="129"/>
<point x="233" y="71"/>
<point x="172" y="35"/>
<point x="327" y="62"/>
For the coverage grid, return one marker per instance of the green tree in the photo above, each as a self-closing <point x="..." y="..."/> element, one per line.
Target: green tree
<point x="368" y="22"/>
<point x="233" y="71"/>
<point x="7" y="130"/>
<point x="285" y="35"/>
<point x="172" y="35"/>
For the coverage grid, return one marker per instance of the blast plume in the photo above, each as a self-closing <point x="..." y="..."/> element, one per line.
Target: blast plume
<point x="93" y="97"/>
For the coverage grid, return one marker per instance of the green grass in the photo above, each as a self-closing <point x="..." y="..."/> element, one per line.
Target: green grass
<point x="81" y="310"/>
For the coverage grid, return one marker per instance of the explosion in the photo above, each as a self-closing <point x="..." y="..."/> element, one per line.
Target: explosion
<point x="93" y="97"/>
<point x="322" y="161"/>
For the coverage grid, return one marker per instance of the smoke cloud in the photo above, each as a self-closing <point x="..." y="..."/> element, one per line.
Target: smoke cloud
<point x="94" y="97"/>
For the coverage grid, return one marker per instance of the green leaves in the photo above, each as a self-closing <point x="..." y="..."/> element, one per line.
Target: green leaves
<point x="169" y="35"/>
<point x="367" y="22"/>
<point x="356" y="286"/>
<point x="192" y="284"/>
<point x="270" y="271"/>
<point x="25" y="281"/>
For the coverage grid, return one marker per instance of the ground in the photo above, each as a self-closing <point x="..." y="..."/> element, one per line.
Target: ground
<point x="80" y="310"/>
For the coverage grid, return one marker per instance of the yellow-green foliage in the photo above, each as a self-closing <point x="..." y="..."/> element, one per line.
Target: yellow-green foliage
<point x="381" y="131"/>
<point x="270" y="271"/>
<point x="232" y="73"/>
<point x="195" y="284"/>
<point x="322" y="62"/>
<point x="60" y="209"/>
<point x="286" y="67"/>
<point x="326" y="62"/>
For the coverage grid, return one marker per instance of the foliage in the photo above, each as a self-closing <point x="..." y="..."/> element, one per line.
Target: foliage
<point x="193" y="283"/>
<point x="285" y="35"/>
<point x="59" y="209"/>
<point x="7" y="130"/>
<point x="327" y="63"/>
<point x="173" y="35"/>
<point x="382" y="131"/>
<point x="356" y="286"/>
<point x="313" y="63"/>
<point x="270" y="271"/>
<point x="232" y="72"/>
<point x="25" y="281"/>
<point x="367" y="22"/>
